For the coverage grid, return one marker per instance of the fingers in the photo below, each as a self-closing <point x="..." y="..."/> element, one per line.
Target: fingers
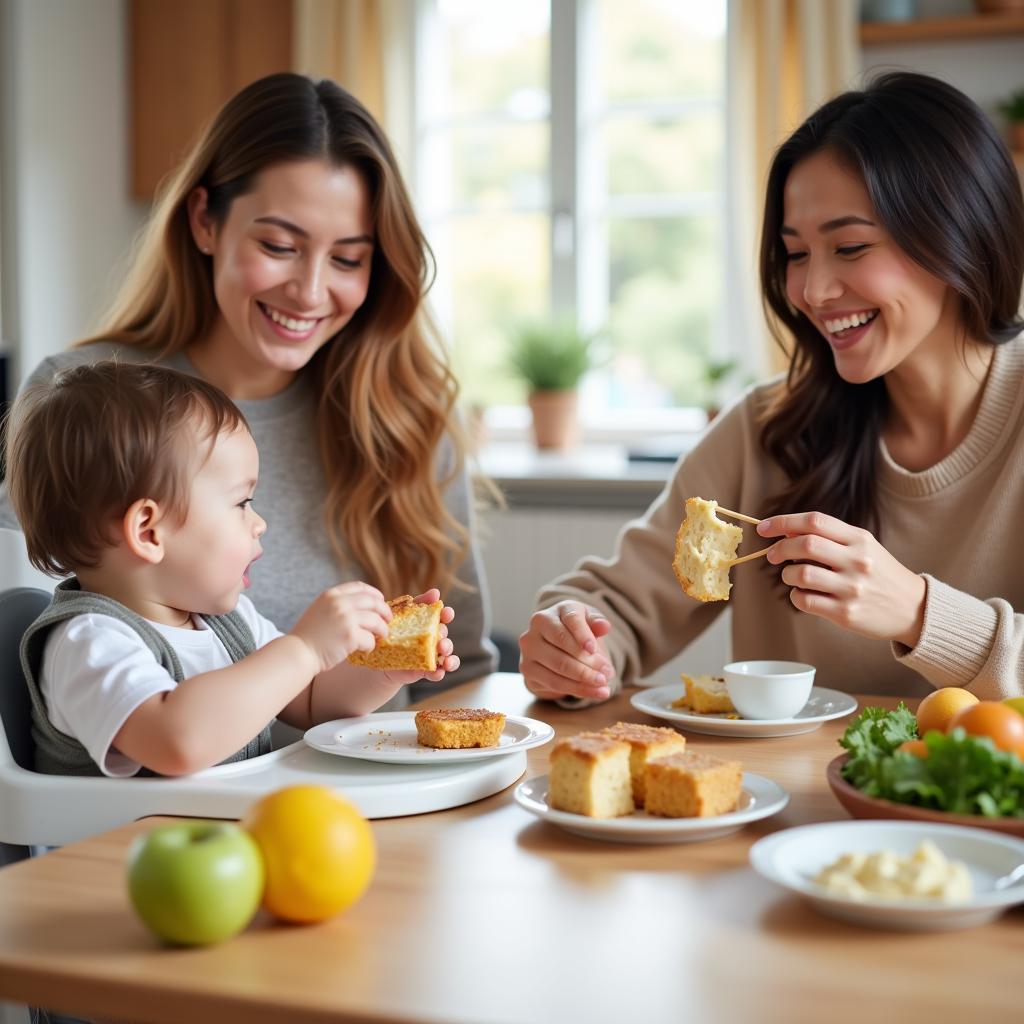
<point x="808" y="548"/>
<point x="576" y="633"/>
<point x="807" y="522"/>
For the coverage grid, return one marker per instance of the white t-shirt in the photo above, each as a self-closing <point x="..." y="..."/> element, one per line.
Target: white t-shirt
<point x="96" y="671"/>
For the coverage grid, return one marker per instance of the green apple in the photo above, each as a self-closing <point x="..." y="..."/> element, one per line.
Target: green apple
<point x="196" y="882"/>
<point x="1017" y="703"/>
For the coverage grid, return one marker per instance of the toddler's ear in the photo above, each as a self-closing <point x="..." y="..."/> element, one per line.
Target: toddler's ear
<point x="142" y="530"/>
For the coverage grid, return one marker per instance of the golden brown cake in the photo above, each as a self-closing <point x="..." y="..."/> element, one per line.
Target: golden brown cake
<point x="692" y="785"/>
<point x="590" y="775"/>
<point x="705" y="695"/>
<point x="411" y="643"/>
<point x="452" y="728"/>
<point x="704" y="546"/>
<point x="645" y="742"/>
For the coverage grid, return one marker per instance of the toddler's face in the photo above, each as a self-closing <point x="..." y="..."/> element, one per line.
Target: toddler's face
<point x="208" y="556"/>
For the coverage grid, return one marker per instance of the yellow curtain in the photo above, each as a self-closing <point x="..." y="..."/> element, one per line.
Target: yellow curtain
<point x="341" y="39"/>
<point x="786" y="57"/>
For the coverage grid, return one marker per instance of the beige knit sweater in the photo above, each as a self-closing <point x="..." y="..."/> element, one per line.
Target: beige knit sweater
<point x="959" y="523"/>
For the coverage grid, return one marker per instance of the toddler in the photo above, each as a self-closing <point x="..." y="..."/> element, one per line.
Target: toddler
<point x="138" y="480"/>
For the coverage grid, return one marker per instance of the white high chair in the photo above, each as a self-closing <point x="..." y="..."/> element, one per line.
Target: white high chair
<point x="51" y="810"/>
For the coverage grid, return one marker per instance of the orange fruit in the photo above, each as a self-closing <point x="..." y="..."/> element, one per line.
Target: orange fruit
<point x="937" y="710"/>
<point x="318" y="851"/>
<point x="916" y="747"/>
<point x="1002" y="725"/>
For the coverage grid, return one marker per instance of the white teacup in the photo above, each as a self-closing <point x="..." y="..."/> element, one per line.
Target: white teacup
<point x="768" y="689"/>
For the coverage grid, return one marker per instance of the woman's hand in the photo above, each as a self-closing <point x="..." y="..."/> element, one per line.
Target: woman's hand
<point x="851" y="580"/>
<point x="561" y="653"/>
<point x="447" y="661"/>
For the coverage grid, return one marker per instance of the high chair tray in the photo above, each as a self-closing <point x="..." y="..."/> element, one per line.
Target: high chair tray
<point x="51" y="810"/>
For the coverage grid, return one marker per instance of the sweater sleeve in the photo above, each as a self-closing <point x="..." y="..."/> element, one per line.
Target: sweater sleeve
<point x="636" y="589"/>
<point x="968" y="642"/>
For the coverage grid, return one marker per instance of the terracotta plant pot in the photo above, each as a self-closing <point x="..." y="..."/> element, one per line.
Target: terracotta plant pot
<point x="554" y="418"/>
<point x="1017" y="136"/>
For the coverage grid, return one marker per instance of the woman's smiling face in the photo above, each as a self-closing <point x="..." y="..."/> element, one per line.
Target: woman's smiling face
<point x="873" y="304"/>
<point x="291" y="263"/>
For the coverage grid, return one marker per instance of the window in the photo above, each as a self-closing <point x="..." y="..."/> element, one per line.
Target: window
<point x="571" y="159"/>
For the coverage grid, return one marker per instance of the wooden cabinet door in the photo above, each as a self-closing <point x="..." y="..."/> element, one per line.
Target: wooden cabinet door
<point x="187" y="58"/>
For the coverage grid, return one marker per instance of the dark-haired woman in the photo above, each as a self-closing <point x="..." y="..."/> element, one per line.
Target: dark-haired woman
<point x="888" y="463"/>
<point x="284" y="263"/>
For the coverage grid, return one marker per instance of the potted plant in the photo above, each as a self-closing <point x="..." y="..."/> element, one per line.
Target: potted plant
<point x="1013" y="110"/>
<point x="716" y="374"/>
<point x="551" y="356"/>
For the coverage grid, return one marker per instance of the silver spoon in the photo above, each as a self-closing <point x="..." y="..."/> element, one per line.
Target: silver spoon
<point x="1009" y="879"/>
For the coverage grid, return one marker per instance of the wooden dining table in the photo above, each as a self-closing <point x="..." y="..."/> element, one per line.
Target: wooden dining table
<point x="486" y="915"/>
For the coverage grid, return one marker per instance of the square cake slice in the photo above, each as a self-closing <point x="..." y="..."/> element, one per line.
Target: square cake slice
<point x="692" y="785"/>
<point x="705" y="695"/>
<point x="645" y="742"/>
<point x="453" y="728"/>
<point x="590" y="775"/>
<point x="411" y="643"/>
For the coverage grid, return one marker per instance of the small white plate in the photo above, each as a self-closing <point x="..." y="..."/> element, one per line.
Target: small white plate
<point x="793" y="857"/>
<point x="822" y="705"/>
<point x="760" y="798"/>
<point x="390" y="736"/>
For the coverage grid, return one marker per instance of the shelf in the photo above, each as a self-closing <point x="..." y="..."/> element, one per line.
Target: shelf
<point x="923" y="30"/>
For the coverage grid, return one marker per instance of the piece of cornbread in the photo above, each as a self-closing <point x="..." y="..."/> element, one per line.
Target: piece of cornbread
<point x="459" y="727"/>
<point x="590" y="775"/>
<point x="411" y="643"/>
<point x="705" y="547"/>
<point x="645" y="742"/>
<point x="705" y="695"/>
<point x="692" y="785"/>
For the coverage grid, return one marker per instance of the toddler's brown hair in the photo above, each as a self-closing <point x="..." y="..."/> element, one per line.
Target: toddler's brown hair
<point x="85" y="445"/>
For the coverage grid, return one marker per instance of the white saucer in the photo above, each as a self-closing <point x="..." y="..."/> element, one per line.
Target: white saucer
<point x="822" y="705"/>
<point x="793" y="857"/>
<point x="390" y="736"/>
<point x="760" y="798"/>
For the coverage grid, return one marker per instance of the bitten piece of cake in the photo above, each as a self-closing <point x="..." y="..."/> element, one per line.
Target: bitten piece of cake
<point x="704" y="547"/>
<point x="411" y="643"/>
<point x="645" y="743"/>
<point x="692" y="786"/>
<point x="705" y="695"/>
<point x="453" y="728"/>
<point x="590" y="775"/>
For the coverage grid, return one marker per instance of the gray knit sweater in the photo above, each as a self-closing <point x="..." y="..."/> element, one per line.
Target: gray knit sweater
<point x="298" y="562"/>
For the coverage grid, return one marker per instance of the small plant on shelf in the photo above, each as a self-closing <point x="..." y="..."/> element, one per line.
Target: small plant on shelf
<point x="1012" y="108"/>
<point x="551" y="357"/>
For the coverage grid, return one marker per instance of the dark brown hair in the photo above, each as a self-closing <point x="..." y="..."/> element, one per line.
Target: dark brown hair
<point x="944" y="187"/>
<point x="94" y="439"/>
<point x="385" y="392"/>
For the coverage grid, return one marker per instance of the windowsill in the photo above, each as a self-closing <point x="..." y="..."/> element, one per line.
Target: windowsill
<point x="589" y="476"/>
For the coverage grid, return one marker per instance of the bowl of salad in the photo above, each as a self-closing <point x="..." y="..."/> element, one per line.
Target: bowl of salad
<point x="889" y="771"/>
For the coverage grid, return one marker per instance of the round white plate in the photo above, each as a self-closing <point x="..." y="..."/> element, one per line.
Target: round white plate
<point x="760" y="798"/>
<point x="390" y="736"/>
<point x="793" y="857"/>
<point x="822" y="705"/>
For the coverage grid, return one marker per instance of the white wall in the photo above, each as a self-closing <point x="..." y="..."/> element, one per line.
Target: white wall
<point x="68" y="217"/>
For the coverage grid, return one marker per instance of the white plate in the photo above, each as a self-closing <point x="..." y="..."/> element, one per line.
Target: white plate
<point x="822" y="705"/>
<point x="760" y="798"/>
<point x="390" y="736"/>
<point x="793" y="857"/>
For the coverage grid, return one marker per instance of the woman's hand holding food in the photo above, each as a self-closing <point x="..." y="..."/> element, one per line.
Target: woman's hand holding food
<point x="562" y="654"/>
<point x="844" y="575"/>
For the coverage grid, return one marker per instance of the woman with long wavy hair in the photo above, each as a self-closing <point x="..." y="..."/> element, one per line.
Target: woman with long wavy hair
<point x="283" y="262"/>
<point x="887" y="463"/>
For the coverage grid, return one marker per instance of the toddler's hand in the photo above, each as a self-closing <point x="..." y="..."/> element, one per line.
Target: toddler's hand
<point x="346" y="618"/>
